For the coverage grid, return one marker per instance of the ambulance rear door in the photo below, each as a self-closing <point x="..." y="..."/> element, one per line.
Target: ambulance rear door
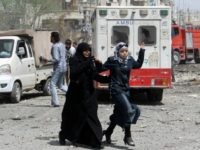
<point x="147" y="31"/>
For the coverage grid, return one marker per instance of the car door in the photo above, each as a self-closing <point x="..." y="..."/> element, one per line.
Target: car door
<point x="27" y="66"/>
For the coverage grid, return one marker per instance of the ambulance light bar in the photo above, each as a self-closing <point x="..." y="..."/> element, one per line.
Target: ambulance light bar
<point x="103" y="13"/>
<point x="163" y="13"/>
<point x="123" y="13"/>
<point x="143" y="13"/>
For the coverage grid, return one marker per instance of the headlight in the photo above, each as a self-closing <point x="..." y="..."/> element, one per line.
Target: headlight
<point x="5" y="69"/>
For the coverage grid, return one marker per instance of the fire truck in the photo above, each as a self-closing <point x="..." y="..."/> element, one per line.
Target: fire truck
<point x="132" y="25"/>
<point x="185" y="44"/>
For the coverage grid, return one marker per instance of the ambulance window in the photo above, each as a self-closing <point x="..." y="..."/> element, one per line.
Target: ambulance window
<point x="147" y="34"/>
<point x="120" y="34"/>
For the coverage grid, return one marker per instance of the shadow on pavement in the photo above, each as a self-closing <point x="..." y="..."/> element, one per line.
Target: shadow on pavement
<point x="139" y="98"/>
<point x="115" y="146"/>
<point x="26" y="96"/>
<point x="104" y="145"/>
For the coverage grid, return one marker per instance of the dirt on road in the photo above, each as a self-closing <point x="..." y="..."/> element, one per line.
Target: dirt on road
<point x="173" y="124"/>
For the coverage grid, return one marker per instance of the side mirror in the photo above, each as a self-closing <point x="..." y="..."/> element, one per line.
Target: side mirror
<point x="21" y="51"/>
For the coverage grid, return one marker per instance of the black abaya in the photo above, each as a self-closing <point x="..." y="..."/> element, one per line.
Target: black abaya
<point x="80" y="123"/>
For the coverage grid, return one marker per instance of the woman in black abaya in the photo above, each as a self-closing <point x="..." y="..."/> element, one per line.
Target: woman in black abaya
<point x="80" y="123"/>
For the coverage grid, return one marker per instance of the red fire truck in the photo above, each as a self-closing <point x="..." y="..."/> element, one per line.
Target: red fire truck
<point x="185" y="44"/>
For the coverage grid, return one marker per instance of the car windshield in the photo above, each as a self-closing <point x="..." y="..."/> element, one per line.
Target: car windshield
<point x="6" y="47"/>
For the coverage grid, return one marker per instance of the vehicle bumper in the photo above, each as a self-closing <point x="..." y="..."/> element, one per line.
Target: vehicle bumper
<point x="6" y="83"/>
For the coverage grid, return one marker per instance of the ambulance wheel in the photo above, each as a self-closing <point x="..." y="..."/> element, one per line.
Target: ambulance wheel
<point x="176" y="58"/>
<point x="46" y="87"/>
<point x="155" y="95"/>
<point x="16" y="93"/>
<point x="196" y="57"/>
<point x="197" y="60"/>
<point x="182" y="62"/>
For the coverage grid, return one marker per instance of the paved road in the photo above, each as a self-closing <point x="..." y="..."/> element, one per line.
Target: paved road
<point x="173" y="124"/>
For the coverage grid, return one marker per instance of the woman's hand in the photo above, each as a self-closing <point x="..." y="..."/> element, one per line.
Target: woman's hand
<point x="142" y="45"/>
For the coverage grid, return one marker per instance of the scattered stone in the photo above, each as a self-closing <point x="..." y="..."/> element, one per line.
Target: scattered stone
<point x="16" y="118"/>
<point x="197" y="122"/>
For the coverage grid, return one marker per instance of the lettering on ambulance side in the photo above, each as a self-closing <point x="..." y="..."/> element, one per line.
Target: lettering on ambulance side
<point x="124" y="22"/>
<point x="152" y="59"/>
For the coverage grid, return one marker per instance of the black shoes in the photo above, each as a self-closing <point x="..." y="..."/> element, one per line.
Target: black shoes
<point x="108" y="136"/>
<point x="129" y="141"/>
<point x="61" y="139"/>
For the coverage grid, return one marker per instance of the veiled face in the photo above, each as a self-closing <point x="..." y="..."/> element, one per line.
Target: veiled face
<point x="86" y="53"/>
<point x="123" y="53"/>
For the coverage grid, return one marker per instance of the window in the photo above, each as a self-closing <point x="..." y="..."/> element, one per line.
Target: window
<point x="137" y="2"/>
<point x="6" y="47"/>
<point x="120" y="34"/>
<point x="147" y="34"/>
<point x="21" y="44"/>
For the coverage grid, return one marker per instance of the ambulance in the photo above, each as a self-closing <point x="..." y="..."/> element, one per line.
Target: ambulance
<point x="133" y="25"/>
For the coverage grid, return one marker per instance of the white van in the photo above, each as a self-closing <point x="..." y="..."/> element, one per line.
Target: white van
<point x="20" y="68"/>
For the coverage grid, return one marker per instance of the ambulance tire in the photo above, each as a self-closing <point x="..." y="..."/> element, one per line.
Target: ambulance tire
<point x="46" y="87"/>
<point x="176" y="58"/>
<point x="16" y="93"/>
<point x="182" y="62"/>
<point x="197" y="60"/>
<point x="197" y="56"/>
<point x="155" y="95"/>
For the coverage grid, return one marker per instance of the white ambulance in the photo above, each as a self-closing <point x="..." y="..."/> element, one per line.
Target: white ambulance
<point x="132" y="25"/>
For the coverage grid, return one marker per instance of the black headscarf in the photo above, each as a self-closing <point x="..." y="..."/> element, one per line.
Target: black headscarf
<point x="82" y="47"/>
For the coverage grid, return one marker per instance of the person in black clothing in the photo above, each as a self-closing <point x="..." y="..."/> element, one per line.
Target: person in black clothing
<point x="125" y="112"/>
<point x="80" y="123"/>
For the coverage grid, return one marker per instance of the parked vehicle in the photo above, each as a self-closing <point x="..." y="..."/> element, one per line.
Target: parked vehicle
<point x="20" y="66"/>
<point x="185" y="44"/>
<point x="132" y="25"/>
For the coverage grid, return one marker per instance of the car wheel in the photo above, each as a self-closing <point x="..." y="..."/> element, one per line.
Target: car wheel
<point x="16" y="93"/>
<point x="46" y="87"/>
<point x="176" y="58"/>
